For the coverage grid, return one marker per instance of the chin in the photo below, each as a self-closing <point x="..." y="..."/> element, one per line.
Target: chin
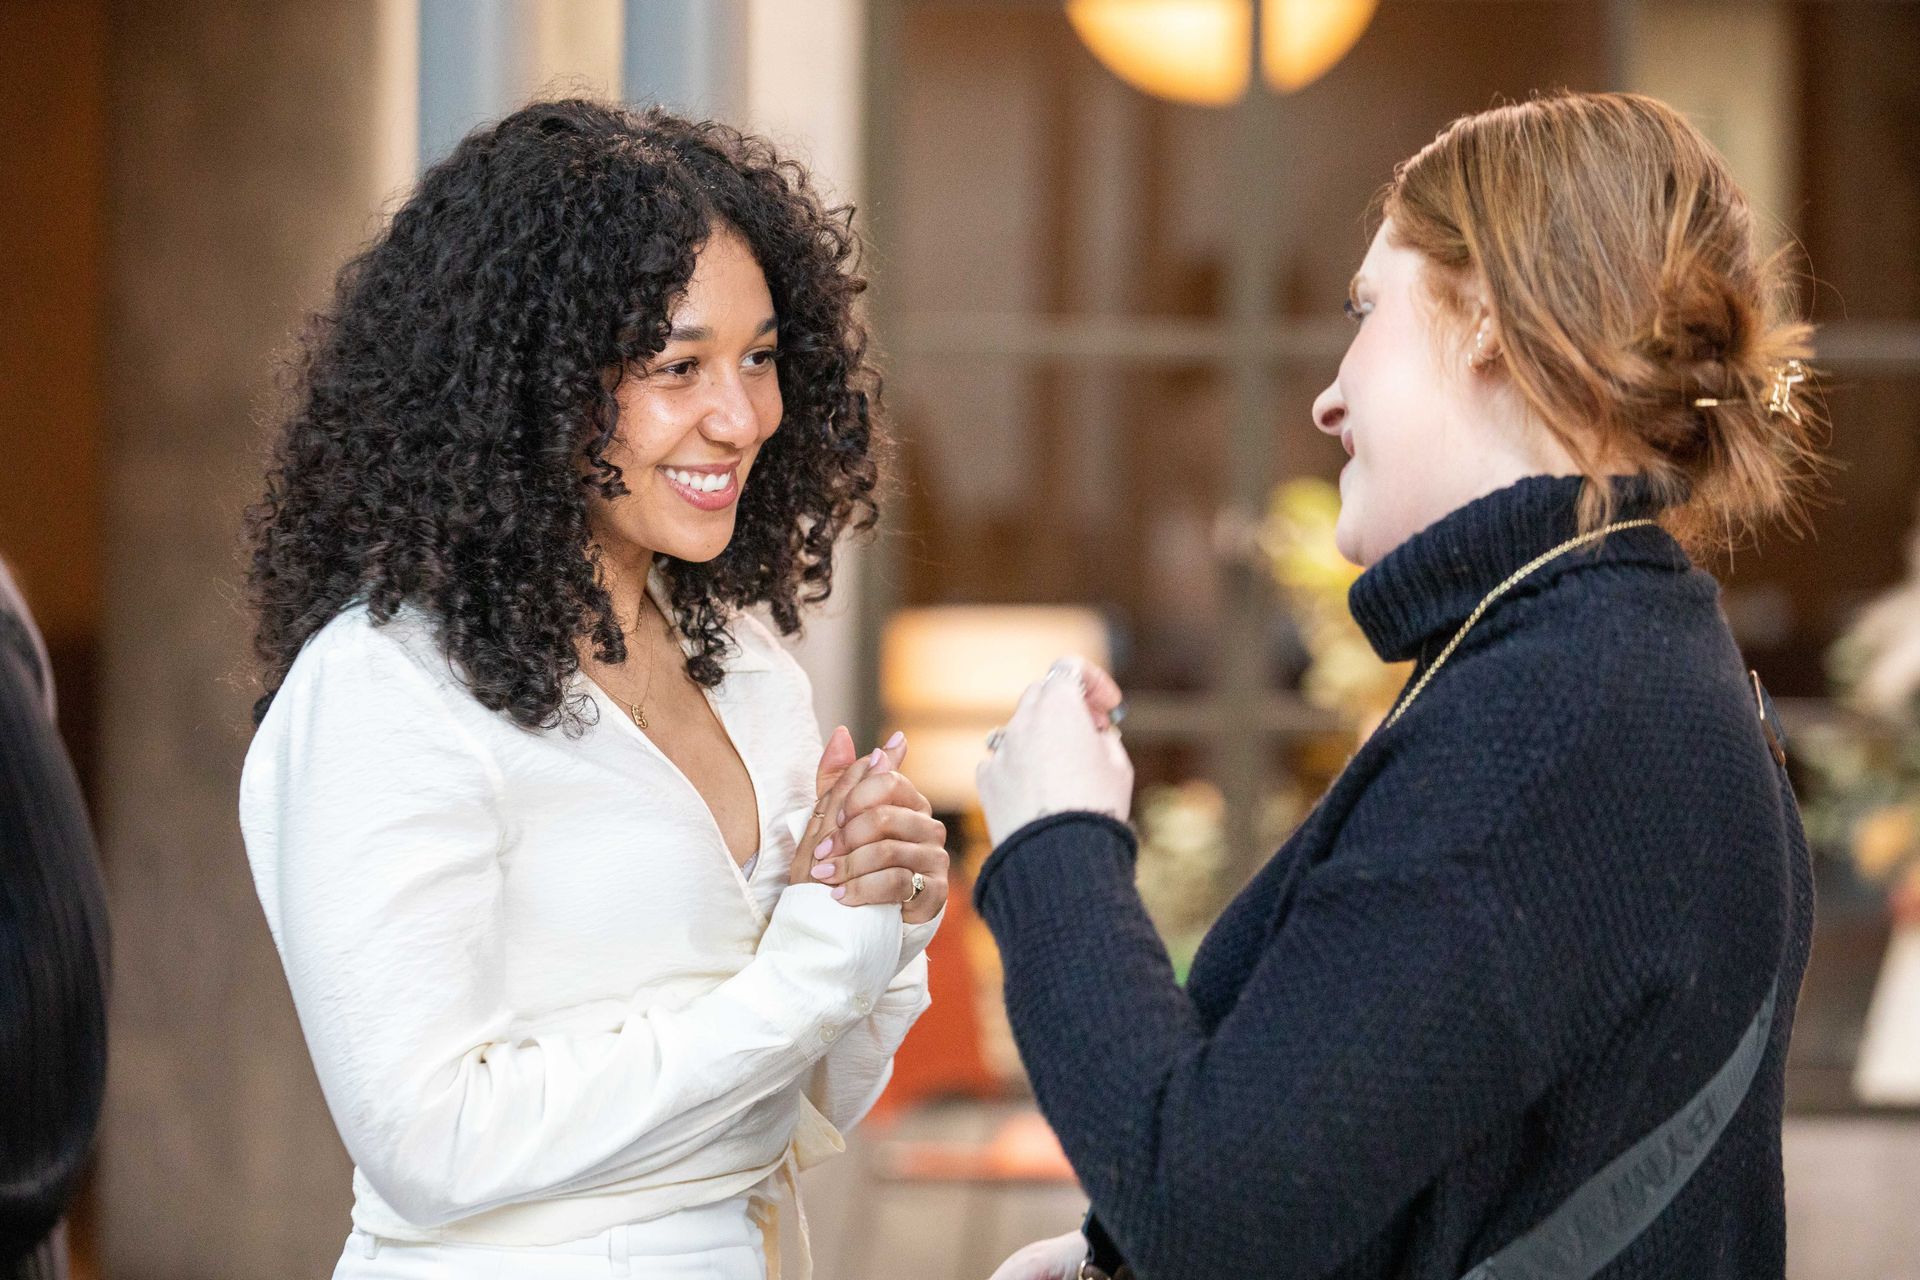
<point x="698" y="548"/>
<point x="1346" y="539"/>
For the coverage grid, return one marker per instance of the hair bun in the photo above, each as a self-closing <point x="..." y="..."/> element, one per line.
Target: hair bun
<point x="1637" y="318"/>
<point x="1703" y="331"/>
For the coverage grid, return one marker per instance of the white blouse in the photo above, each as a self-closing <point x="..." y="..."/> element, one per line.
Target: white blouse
<point x="542" y="998"/>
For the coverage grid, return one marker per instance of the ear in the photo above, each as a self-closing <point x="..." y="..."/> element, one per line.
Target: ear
<point x="1483" y="347"/>
<point x="1483" y="330"/>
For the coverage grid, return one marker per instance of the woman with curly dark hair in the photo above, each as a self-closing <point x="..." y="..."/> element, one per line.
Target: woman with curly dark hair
<point x="593" y="943"/>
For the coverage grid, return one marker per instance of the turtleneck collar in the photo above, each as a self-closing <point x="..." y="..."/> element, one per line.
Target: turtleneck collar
<point x="1428" y="585"/>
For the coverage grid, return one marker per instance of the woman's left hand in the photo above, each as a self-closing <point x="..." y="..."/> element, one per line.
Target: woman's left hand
<point x="879" y="833"/>
<point x="1059" y="752"/>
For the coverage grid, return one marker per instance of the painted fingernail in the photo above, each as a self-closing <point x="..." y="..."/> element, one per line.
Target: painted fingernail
<point x="824" y="848"/>
<point x="877" y="756"/>
<point x="823" y="871"/>
<point x="841" y="892"/>
<point x="897" y="738"/>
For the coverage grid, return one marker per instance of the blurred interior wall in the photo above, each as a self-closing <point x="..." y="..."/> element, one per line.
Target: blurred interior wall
<point x="479" y="59"/>
<point x="686" y="55"/>
<point x="1860" y="192"/>
<point x="52" y="297"/>
<point x="1730" y="65"/>
<point x="250" y="149"/>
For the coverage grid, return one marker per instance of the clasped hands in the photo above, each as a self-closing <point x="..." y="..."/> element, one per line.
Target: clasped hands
<point x="871" y="831"/>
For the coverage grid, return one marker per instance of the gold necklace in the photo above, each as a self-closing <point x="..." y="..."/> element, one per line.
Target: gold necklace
<point x="638" y="709"/>
<point x="1513" y="580"/>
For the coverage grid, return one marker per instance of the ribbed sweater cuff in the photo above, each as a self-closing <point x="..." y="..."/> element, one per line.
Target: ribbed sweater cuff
<point x="1027" y="862"/>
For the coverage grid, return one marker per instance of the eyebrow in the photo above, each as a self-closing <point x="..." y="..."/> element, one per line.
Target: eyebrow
<point x="702" y="333"/>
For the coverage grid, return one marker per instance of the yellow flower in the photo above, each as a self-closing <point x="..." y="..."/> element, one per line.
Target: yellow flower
<point x="1298" y="540"/>
<point x="1344" y="675"/>
<point x="1884" y="838"/>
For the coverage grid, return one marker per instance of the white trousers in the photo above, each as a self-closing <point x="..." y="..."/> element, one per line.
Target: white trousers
<point x="712" y="1242"/>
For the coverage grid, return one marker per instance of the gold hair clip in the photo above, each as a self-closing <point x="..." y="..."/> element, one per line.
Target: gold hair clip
<point x="1785" y="379"/>
<point x="1779" y="397"/>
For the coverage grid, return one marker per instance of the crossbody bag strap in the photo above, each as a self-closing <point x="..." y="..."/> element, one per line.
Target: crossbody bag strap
<point x="1610" y="1210"/>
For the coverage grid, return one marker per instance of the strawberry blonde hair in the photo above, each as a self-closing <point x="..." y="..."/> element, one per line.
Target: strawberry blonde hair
<point x="1619" y="261"/>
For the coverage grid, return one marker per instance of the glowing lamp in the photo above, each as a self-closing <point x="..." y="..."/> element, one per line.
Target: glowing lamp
<point x="950" y="674"/>
<point x="1200" y="51"/>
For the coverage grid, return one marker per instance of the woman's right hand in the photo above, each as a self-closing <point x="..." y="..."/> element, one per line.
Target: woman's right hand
<point x="1056" y="1259"/>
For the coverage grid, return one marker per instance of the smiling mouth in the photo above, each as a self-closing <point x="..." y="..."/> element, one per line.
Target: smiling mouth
<point x="707" y="489"/>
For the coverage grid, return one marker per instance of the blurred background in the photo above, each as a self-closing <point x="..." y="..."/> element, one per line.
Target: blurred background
<point x="1109" y="242"/>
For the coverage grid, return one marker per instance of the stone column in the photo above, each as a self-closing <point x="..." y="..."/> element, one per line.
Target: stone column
<point x="804" y="84"/>
<point x="251" y="148"/>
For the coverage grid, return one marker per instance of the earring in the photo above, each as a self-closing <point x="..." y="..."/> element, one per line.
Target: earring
<point x="1481" y="357"/>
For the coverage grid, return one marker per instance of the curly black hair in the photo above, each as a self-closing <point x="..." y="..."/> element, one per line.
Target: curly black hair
<point x="451" y="411"/>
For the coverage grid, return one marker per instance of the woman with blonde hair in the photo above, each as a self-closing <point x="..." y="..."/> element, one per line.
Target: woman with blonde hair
<point x="1515" y="998"/>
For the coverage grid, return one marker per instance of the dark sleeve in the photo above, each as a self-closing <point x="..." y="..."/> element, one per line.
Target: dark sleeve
<point x="1374" y="1041"/>
<point x="17" y="646"/>
<point x="53" y="957"/>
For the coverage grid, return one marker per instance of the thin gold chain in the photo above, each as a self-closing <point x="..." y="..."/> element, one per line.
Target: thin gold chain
<point x="637" y="710"/>
<point x="1513" y="580"/>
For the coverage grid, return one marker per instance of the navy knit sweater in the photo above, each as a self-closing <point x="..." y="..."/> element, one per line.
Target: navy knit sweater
<point x="1521" y="929"/>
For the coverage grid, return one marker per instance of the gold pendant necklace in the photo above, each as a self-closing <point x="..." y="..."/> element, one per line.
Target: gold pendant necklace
<point x="638" y="709"/>
<point x="1513" y="580"/>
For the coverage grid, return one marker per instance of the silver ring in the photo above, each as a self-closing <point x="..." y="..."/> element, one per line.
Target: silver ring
<point x="1115" y="716"/>
<point x="993" y="739"/>
<point x="919" y="883"/>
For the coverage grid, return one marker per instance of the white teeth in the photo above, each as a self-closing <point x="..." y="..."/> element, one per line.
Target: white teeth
<point x="704" y="482"/>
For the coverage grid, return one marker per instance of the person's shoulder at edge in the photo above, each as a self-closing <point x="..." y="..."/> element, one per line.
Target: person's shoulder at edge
<point x="18" y="632"/>
<point x="387" y="687"/>
<point x="353" y="652"/>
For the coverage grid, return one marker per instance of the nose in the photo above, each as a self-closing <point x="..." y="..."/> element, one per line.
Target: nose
<point x="730" y="418"/>
<point x="1330" y="409"/>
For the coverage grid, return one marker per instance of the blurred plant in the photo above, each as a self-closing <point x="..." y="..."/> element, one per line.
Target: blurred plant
<point x="1183" y="856"/>
<point x="1343" y="675"/>
<point x="1867" y="797"/>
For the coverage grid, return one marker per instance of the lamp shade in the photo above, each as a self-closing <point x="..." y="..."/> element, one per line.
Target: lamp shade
<point x="951" y="673"/>
<point x="1200" y="51"/>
